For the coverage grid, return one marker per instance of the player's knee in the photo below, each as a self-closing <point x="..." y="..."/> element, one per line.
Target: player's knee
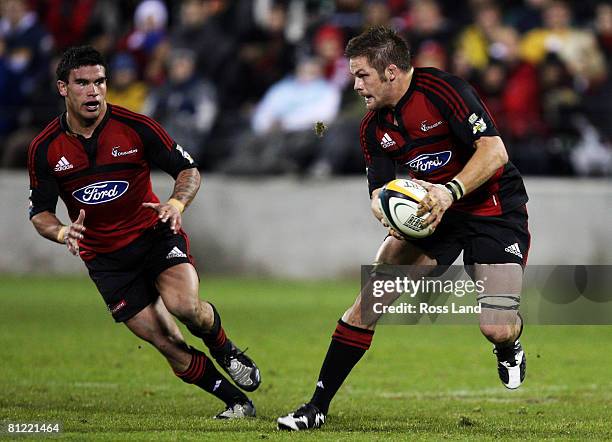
<point x="498" y="333"/>
<point x="352" y="317"/>
<point x="185" y="308"/>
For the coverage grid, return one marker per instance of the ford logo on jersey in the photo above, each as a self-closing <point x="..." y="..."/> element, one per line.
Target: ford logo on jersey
<point x="102" y="192"/>
<point x="428" y="162"/>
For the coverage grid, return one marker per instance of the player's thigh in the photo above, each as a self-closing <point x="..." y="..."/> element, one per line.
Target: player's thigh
<point x="178" y="280"/>
<point x="395" y="251"/>
<point x="170" y="268"/>
<point x="178" y="286"/>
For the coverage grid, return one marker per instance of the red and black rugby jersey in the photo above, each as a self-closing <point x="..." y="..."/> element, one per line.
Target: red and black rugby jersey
<point x="438" y="120"/>
<point x="107" y="175"/>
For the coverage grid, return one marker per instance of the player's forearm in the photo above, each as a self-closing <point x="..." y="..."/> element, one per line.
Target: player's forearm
<point x="48" y="226"/>
<point x="186" y="186"/>
<point x="375" y="205"/>
<point x="489" y="156"/>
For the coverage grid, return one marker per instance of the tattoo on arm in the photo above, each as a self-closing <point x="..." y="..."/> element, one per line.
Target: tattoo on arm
<point x="186" y="185"/>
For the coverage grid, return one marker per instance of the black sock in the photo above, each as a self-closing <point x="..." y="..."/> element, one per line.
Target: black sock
<point x="203" y="373"/>
<point x="348" y="345"/>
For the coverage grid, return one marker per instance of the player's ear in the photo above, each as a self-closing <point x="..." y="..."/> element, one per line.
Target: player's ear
<point x="391" y="72"/>
<point x="62" y="88"/>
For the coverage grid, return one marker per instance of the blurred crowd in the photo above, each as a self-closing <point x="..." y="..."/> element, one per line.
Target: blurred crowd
<point x="241" y="83"/>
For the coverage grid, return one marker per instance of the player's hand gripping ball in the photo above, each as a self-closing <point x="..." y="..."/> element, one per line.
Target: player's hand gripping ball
<point x="399" y="200"/>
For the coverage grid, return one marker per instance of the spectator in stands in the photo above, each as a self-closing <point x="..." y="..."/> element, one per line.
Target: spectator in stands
<point x="329" y="47"/>
<point x="597" y="102"/>
<point x="244" y="47"/>
<point x="71" y="22"/>
<point x="265" y="56"/>
<point x="376" y="13"/>
<point x="560" y="105"/>
<point x="431" y="54"/>
<point x="575" y="47"/>
<point x="145" y="40"/>
<point x="527" y="14"/>
<point x="348" y="16"/>
<point x="124" y="88"/>
<point x="475" y="40"/>
<point x="25" y="54"/>
<point x="282" y="134"/>
<point x="200" y="30"/>
<point x="427" y="23"/>
<point x="11" y="96"/>
<point x="521" y="90"/>
<point x="603" y="30"/>
<point x="45" y="103"/>
<point x="186" y="105"/>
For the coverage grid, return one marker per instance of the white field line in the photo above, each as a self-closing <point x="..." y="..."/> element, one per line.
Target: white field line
<point x="93" y="385"/>
<point x="492" y="392"/>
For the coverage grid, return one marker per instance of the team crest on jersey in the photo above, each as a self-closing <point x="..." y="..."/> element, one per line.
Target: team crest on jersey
<point x="425" y="127"/>
<point x="478" y="123"/>
<point x="117" y="152"/>
<point x="428" y="162"/>
<point x="101" y="192"/>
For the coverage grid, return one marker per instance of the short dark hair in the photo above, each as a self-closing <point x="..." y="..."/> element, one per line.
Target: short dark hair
<point x="76" y="57"/>
<point x="381" y="47"/>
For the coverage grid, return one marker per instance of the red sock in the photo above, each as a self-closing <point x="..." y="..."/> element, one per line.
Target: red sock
<point x="203" y="373"/>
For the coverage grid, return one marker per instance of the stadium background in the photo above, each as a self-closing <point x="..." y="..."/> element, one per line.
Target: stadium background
<point x="281" y="223"/>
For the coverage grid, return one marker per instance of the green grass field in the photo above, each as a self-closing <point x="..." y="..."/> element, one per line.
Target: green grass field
<point x="64" y="360"/>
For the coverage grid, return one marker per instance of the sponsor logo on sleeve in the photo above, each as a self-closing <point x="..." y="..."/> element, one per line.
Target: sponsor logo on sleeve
<point x="184" y="153"/>
<point x="428" y="162"/>
<point x="478" y="124"/>
<point x="101" y="192"/>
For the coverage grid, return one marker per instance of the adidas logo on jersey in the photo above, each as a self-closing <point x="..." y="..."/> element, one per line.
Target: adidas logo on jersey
<point x="63" y="164"/>
<point x="176" y="253"/>
<point x="387" y="141"/>
<point x="514" y="249"/>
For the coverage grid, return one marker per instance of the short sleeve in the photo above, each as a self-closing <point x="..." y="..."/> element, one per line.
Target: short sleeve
<point x="460" y="105"/>
<point x="44" y="191"/>
<point x="162" y="150"/>
<point x="380" y="168"/>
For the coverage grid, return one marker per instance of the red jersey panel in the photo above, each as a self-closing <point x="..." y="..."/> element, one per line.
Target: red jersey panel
<point x="107" y="175"/>
<point x="431" y="133"/>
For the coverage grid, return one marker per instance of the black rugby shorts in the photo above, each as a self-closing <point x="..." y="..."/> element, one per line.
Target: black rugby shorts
<point x="499" y="239"/>
<point x="126" y="277"/>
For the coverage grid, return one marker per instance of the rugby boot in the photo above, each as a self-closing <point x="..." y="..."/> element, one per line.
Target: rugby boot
<point x="239" y="367"/>
<point x="238" y="411"/>
<point x="306" y="417"/>
<point x="511" y="364"/>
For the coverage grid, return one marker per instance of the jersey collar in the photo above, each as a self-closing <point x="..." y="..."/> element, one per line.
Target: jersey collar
<point x="397" y="110"/>
<point x="97" y="130"/>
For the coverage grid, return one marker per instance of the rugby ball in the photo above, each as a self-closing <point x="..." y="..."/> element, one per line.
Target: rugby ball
<point x="398" y="201"/>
